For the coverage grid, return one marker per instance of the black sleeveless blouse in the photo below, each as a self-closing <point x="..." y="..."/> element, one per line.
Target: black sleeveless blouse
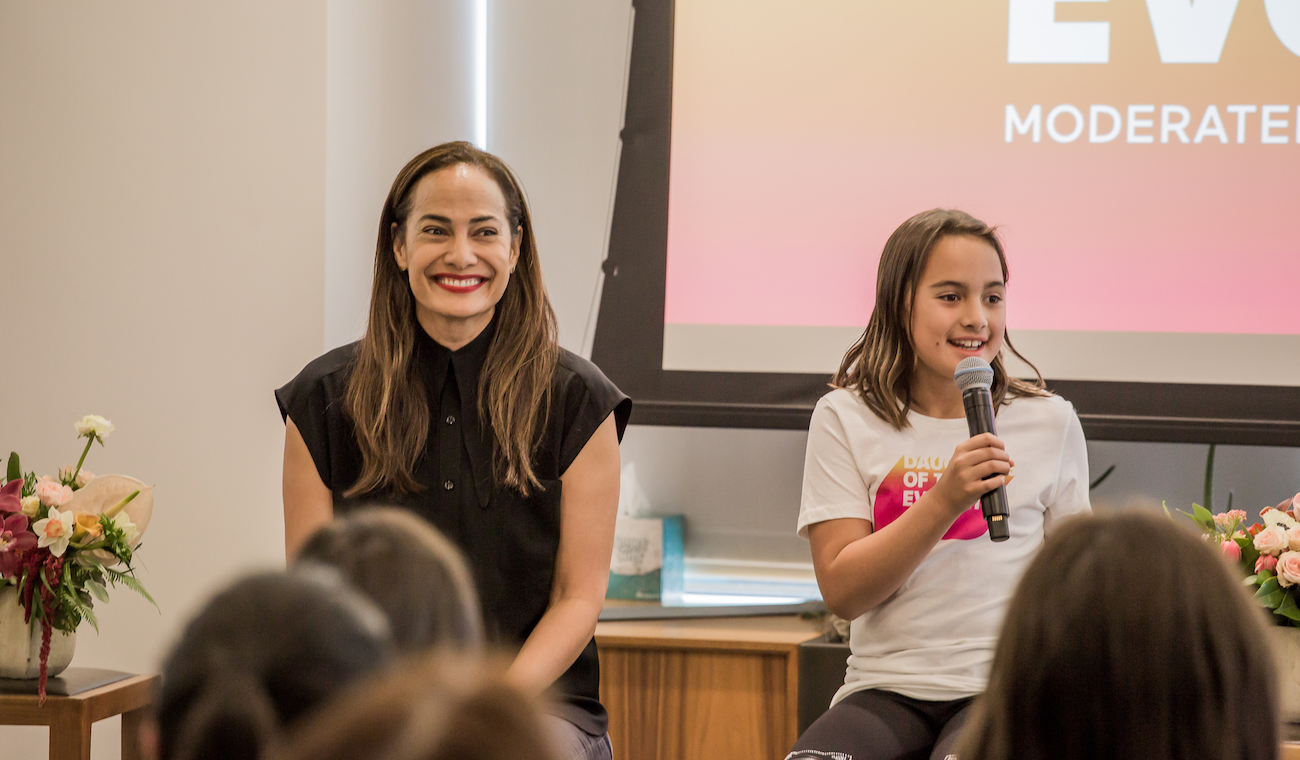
<point x="510" y="541"/>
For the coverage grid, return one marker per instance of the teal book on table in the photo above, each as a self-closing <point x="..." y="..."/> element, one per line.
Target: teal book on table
<point x="648" y="559"/>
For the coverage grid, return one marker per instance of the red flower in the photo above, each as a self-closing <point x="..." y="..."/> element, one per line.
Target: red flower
<point x="9" y="496"/>
<point x="14" y="539"/>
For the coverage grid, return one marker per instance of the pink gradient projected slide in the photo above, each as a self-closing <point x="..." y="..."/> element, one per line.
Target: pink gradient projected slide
<point x="1140" y="157"/>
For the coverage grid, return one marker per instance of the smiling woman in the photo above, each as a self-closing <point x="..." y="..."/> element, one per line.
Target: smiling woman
<point x="459" y="405"/>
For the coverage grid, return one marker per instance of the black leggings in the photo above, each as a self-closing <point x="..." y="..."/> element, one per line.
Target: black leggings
<point x="882" y="725"/>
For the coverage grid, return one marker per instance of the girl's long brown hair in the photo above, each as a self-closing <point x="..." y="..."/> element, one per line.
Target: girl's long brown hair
<point x="1128" y="638"/>
<point x="879" y="365"/>
<point x="386" y="395"/>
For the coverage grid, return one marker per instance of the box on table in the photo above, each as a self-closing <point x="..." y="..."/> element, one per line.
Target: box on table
<point x="648" y="558"/>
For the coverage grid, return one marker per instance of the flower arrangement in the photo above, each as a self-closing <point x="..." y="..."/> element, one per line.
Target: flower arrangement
<point x="1268" y="551"/>
<point x="65" y="539"/>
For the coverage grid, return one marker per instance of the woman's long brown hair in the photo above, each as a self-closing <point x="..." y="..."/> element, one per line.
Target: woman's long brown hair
<point x="386" y="395"/>
<point x="1128" y="638"/>
<point x="879" y="365"/>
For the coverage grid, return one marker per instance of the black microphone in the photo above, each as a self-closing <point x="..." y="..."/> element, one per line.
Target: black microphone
<point x="974" y="377"/>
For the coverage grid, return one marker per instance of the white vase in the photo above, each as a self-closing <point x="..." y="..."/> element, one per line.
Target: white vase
<point x="20" y="643"/>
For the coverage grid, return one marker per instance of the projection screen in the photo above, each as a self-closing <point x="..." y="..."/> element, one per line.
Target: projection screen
<point x="1138" y="157"/>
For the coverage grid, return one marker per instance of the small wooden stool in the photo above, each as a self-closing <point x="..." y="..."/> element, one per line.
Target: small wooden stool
<point x="70" y="718"/>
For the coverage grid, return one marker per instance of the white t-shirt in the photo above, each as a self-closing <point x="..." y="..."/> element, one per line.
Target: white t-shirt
<point x="933" y="639"/>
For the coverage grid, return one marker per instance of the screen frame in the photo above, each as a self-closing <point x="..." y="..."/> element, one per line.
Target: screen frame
<point x="629" y="335"/>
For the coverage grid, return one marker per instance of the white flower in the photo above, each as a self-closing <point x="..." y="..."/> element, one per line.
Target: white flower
<point x="93" y="424"/>
<point x="31" y="505"/>
<point x="1274" y="517"/>
<point x="122" y="521"/>
<point x="55" y="531"/>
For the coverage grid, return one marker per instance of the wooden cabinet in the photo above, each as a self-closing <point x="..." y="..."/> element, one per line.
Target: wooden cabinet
<point x="711" y="688"/>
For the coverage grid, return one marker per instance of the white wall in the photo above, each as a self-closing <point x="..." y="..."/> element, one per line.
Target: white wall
<point x="398" y="79"/>
<point x="162" y="197"/>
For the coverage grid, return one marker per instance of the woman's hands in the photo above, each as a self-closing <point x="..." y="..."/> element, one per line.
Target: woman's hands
<point x="978" y="465"/>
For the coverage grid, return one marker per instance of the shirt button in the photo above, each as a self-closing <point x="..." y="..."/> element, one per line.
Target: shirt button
<point x="448" y="485"/>
<point x="451" y="419"/>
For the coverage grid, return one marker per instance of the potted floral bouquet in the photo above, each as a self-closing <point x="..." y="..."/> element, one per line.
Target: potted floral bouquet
<point x="1268" y="551"/>
<point x="63" y="541"/>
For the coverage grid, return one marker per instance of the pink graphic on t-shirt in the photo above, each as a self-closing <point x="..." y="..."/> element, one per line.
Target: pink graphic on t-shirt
<point x="904" y="485"/>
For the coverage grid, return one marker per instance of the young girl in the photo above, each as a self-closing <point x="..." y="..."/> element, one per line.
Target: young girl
<point x="891" y="491"/>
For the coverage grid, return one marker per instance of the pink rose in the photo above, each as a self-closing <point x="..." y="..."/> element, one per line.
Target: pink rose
<point x="1265" y="562"/>
<point x="1294" y="506"/>
<point x="1271" y="540"/>
<point x="1293" y="539"/>
<point x="52" y="493"/>
<point x="1231" y="550"/>
<point x="1288" y="568"/>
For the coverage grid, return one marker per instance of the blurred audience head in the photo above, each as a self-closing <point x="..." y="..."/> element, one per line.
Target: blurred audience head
<point x="260" y="655"/>
<point x="440" y="706"/>
<point x="1128" y="637"/>
<point x="415" y="575"/>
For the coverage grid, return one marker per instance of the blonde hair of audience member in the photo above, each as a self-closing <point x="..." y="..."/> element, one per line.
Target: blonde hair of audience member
<point x="437" y="707"/>
<point x="1128" y="638"/>
<point x="414" y="573"/>
<point x="260" y="655"/>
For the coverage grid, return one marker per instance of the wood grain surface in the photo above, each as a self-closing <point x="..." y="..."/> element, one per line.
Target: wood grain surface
<point x="702" y="688"/>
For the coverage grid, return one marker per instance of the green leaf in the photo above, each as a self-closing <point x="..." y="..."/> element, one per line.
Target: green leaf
<point x="1266" y="574"/>
<point x="1270" y="594"/>
<point x="86" y="612"/>
<point x="1288" y="608"/>
<point x="98" y="590"/>
<point x="130" y="582"/>
<point x="1250" y="580"/>
<point x="1203" y="517"/>
<point x="15" y="471"/>
<point x="1249" y="554"/>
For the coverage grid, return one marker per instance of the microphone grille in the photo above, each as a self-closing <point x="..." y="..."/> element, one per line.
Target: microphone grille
<point x="973" y="372"/>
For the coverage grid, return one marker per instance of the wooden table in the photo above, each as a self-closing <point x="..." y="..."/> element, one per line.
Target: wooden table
<point x="712" y="688"/>
<point x="70" y="718"/>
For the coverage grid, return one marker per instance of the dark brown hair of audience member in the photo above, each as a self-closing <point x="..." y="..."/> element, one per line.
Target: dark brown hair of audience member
<point x="436" y="707"/>
<point x="879" y="365"/>
<point x="1128" y="638"/>
<point x="386" y="396"/>
<point x="260" y="655"/>
<point x="413" y="572"/>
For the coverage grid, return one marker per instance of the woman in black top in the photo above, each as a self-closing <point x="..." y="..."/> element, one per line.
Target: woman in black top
<point x="459" y="405"/>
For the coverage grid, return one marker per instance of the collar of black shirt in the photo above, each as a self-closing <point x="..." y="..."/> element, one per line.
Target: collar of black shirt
<point x="467" y="364"/>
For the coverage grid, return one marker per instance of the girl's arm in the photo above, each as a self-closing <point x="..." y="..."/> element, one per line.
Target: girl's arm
<point x="858" y="568"/>
<point x="308" y="503"/>
<point x="588" y="504"/>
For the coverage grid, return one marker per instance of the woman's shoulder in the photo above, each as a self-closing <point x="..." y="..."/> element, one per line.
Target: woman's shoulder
<point x="571" y="369"/>
<point x="331" y="363"/>
<point x="579" y="382"/>
<point x="323" y="380"/>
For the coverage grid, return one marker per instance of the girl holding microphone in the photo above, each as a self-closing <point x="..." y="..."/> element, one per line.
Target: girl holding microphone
<point x="892" y="482"/>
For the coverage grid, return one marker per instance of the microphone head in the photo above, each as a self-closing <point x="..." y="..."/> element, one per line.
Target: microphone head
<point x="973" y="372"/>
